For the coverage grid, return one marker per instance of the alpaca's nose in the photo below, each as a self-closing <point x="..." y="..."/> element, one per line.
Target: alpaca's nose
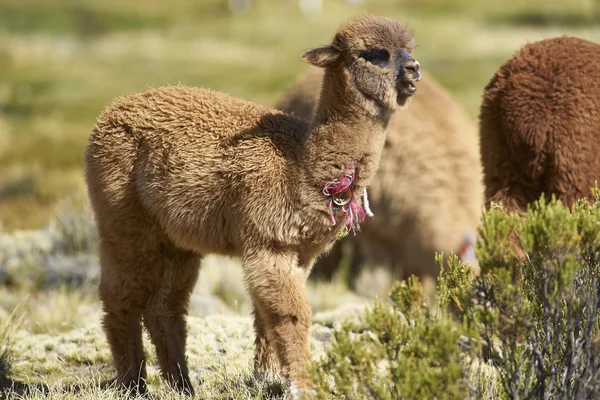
<point x="412" y="67"/>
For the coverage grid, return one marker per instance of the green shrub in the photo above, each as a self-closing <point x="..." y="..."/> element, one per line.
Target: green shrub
<point x="536" y="303"/>
<point x="406" y="351"/>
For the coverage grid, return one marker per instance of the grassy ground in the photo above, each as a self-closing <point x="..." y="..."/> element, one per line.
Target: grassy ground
<point x="58" y="348"/>
<point x="51" y="341"/>
<point x="75" y="362"/>
<point x="61" y="63"/>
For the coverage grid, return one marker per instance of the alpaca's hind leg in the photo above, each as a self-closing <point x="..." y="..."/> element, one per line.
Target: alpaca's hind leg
<point x="124" y="333"/>
<point x="122" y="304"/>
<point x="265" y="359"/>
<point x="165" y="313"/>
<point x="277" y="286"/>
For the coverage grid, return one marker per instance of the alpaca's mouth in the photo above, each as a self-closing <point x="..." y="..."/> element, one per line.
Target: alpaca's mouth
<point x="410" y="86"/>
<point x="407" y="75"/>
<point x="406" y="88"/>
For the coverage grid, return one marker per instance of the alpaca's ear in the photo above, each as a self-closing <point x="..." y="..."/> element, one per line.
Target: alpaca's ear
<point x="326" y="56"/>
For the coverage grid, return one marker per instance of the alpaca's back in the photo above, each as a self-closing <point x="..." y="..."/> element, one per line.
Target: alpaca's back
<point x="182" y="156"/>
<point x="427" y="192"/>
<point x="540" y="123"/>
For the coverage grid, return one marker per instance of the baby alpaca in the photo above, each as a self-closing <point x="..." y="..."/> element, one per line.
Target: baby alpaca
<point x="176" y="173"/>
<point x="540" y="124"/>
<point x="427" y="194"/>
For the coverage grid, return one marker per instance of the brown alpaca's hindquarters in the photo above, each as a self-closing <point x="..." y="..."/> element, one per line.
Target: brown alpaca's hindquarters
<point x="166" y="310"/>
<point x="506" y="181"/>
<point x="277" y="286"/>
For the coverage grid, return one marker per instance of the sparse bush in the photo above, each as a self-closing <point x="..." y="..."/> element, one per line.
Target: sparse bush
<point x="407" y="351"/>
<point x="536" y="303"/>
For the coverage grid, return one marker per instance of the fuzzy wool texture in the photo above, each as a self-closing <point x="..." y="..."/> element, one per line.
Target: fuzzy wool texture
<point x="540" y="124"/>
<point x="177" y="173"/>
<point x="428" y="190"/>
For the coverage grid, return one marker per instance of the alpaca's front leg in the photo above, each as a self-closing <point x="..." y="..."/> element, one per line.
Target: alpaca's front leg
<point x="277" y="286"/>
<point x="265" y="359"/>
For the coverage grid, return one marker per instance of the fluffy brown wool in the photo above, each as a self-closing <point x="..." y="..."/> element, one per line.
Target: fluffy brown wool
<point x="540" y="124"/>
<point x="427" y="194"/>
<point x="176" y="173"/>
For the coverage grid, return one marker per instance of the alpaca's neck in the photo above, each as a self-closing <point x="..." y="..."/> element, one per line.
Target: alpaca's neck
<point x="345" y="131"/>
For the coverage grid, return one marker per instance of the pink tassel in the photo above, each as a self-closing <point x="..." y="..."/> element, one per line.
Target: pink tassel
<point x="338" y="186"/>
<point x="355" y="215"/>
<point x="331" y="212"/>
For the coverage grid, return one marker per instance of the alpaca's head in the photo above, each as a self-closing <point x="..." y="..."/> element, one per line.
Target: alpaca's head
<point x="371" y="56"/>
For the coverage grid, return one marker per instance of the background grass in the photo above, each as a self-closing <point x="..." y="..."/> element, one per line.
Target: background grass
<point x="62" y="61"/>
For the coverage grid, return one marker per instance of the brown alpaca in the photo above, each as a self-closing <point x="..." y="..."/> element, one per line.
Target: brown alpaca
<point x="540" y="124"/>
<point x="427" y="195"/>
<point x="176" y="173"/>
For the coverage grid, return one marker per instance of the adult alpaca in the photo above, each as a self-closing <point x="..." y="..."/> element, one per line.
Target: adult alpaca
<point x="175" y="173"/>
<point x="540" y="124"/>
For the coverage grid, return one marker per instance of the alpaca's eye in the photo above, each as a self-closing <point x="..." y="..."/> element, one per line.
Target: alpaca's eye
<point x="379" y="57"/>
